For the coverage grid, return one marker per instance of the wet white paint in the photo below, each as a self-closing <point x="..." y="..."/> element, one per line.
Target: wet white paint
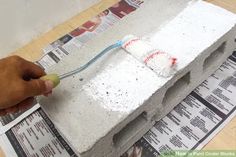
<point x="116" y="87"/>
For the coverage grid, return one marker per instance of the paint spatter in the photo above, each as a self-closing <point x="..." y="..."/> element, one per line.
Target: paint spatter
<point x="122" y="87"/>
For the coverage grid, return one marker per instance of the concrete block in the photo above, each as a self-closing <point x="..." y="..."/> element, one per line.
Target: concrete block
<point x="105" y="109"/>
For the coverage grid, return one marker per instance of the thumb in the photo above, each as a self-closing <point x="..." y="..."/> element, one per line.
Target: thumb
<point x="36" y="87"/>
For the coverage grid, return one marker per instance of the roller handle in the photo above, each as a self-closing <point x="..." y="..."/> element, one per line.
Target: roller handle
<point x="52" y="77"/>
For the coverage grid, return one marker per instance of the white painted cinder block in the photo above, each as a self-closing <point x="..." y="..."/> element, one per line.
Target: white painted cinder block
<point x="120" y="98"/>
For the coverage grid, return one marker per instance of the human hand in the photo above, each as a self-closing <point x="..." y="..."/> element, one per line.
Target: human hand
<point x="20" y="83"/>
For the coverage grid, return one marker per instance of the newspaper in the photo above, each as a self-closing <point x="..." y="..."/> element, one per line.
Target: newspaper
<point x="9" y="120"/>
<point x="71" y="43"/>
<point x="196" y="120"/>
<point x="35" y="136"/>
<point x="193" y="123"/>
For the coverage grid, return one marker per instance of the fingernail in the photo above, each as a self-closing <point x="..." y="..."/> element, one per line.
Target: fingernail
<point x="49" y="86"/>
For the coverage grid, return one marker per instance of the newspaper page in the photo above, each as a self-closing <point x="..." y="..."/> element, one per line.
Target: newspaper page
<point x="196" y="120"/>
<point x="71" y="43"/>
<point x="35" y="136"/>
<point x="9" y="120"/>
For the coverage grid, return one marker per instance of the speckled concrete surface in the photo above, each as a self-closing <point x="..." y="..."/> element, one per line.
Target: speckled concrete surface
<point x="119" y="98"/>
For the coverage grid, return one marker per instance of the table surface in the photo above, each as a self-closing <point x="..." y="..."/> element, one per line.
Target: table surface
<point x="225" y="140"/>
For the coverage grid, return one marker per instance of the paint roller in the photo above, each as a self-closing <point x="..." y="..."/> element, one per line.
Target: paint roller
<point x="160" y="62"/>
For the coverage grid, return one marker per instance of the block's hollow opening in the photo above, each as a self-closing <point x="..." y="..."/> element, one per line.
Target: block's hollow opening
<point x="129" y="130"/>
<point x="214" y="56"/>
<point x="176" y="89"/>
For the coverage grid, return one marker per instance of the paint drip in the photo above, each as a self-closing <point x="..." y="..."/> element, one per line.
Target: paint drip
<point x="159" y="61"/>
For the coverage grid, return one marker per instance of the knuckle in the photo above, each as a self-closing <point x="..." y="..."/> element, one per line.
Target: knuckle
<point x="16" y="59"/>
